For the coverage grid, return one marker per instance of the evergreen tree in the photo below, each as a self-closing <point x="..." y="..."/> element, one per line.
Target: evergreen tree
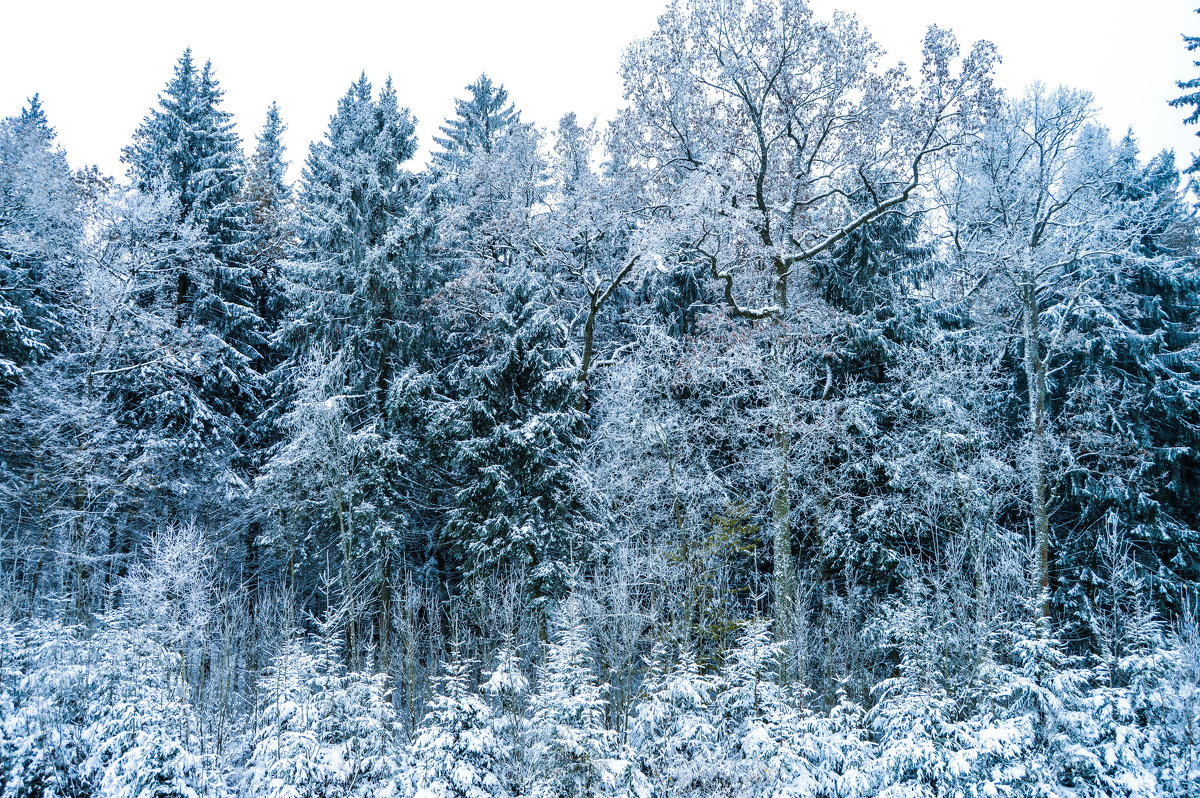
<point x="41" y="239"/>
<point x="271" y="228"/>
<point x="572" y="748"/>
<point x="673" y="734"/>
<point x="481" y="120"/>
<point x="872" y="264"/>
<point x="1128" y="380"/>
<point x="325" y="730"/>
<point x="180" y="365"/>
<point x="49" y="423"/>
<point x="457" y="750"/>
<point x="358" y="287"/>
<point x="514" y="434"/>
<point x="187" y="148"/>
<point x="1191" y="98"/>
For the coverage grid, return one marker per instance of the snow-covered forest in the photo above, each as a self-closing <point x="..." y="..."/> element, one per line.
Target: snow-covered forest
<point x="816" y="428"/>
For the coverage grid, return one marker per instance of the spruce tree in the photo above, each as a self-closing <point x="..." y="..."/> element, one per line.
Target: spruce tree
<point x="457" y="750"/>
<point x="481" y="121"/>
<point x="41" y="237"/>
<point x="514" y="433"/>
<point x="181" y="369"/>
<point x="358" y="286"/>
<point x="1128" y="383"/>
<point x="271" y="223"/>
<point x="1191" y="98"/>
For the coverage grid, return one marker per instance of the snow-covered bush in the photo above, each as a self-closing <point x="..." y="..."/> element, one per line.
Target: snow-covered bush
<point x="458" y="752"/>
<point x="324" y="730"/>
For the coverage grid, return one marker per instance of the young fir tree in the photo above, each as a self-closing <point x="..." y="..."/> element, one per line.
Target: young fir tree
<point x="673" y="734"/>
<point x="572" y="748"/>
<point x="457" y="750"/>
<point x="324" y="730"/>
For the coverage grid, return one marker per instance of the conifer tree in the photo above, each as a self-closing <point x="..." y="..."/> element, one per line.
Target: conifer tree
<point x="481" y="121"/>
<point x="358" y="287"/>
<point x="41" y="238"/>
<point x="457" y="750"/>
<point x="187" y="149"/>
<point x="571" y="745"/>
<point x="1191" y="98"/>
<point x="515" y="432"/>
<point x="271" y="223"/>
<point x="181" y="364"/>
<point x="1128" y="381"/>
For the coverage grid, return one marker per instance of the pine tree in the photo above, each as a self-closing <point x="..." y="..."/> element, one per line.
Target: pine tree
<point x="867" y="269"/>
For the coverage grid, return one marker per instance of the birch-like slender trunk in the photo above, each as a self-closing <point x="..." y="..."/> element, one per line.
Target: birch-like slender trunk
<point x="1035" y="377"/>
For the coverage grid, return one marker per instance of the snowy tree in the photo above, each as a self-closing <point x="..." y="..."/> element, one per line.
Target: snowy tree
<point x="324" y="730"/>
<point x="272" y="223"/>
<point x="515" y="431"/>
<point x="572" y="751"/>
<point x="816" y="429"/>
<point x="141" y="731"/>
<point x="480" y="121"/>
<point x="589" y="236"/>
<point x="1037" y="231"/>
<point x="177" y="358"/>
<point x="1191" y="97"/>
<point x="43" y="694"/>
<point x="41" y="238"/>
<point x="188" y="149"/>
<point x="760" y="125"/>
<point x="673" y="734"/>
<point x="457" y="750"/>
<point x="358" y="286"/>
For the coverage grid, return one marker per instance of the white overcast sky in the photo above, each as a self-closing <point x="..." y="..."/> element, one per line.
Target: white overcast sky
<point x="100" y="65"/>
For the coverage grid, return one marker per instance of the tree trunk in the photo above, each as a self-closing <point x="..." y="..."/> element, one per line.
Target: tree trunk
<point x="385" y="608"/>
<point x="1035" y="377"/>
<point x="781" y="499"/>
<point x="346" y="529"/>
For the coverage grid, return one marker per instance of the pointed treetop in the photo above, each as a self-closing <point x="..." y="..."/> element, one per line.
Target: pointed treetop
<point x="268" y="167"/>
<point x="32" y="115"/>
<point x="359" y="123"/>
<point x="482" y="120"/>
<point x="270" y="138"/>
<point x="1191" y="99"/>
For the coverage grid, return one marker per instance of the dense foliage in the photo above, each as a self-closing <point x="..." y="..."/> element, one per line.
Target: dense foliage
<point x="814" y="429"/>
